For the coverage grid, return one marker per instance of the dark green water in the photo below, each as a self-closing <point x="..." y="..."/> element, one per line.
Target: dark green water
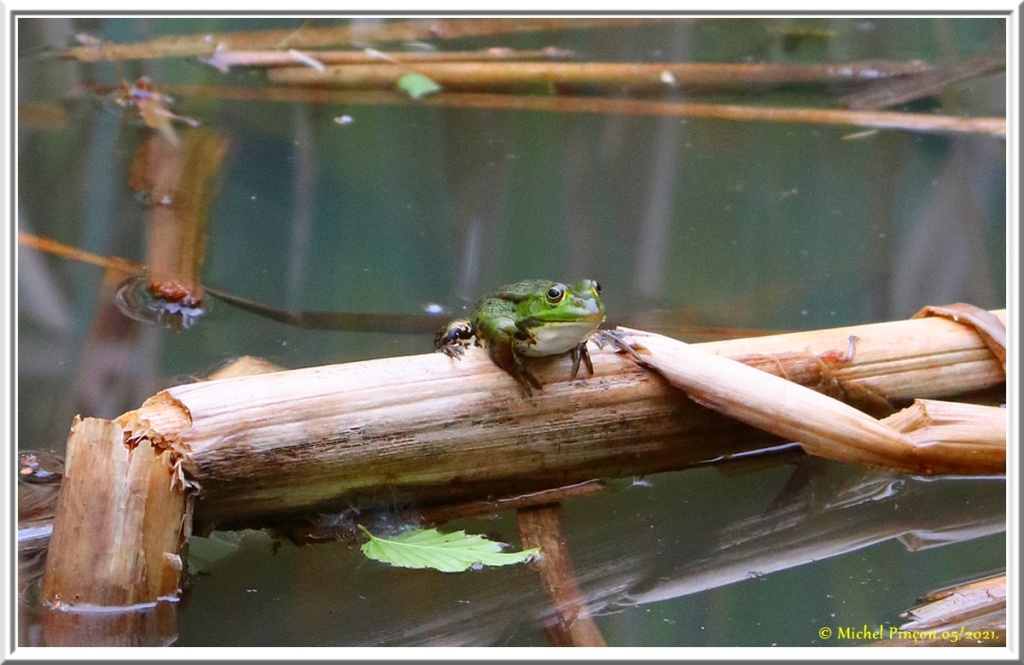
<point x="734" y="224"/>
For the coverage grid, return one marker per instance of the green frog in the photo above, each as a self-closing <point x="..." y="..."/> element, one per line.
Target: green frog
<point x="529" y="319"/>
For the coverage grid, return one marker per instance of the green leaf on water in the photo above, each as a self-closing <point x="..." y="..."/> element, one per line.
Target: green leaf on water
<point x="417" y="85"/>
<point x="447" y="552"/>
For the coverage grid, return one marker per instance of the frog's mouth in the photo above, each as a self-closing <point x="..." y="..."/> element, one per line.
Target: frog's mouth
<point x="556" y="338"/>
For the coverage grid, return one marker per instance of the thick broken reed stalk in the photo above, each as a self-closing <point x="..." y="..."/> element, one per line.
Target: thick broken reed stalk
<point x="126" y="499"/>
<point x="265" y="447"/>
<point x="966" y="615"/>
<point x="264" y="450"/>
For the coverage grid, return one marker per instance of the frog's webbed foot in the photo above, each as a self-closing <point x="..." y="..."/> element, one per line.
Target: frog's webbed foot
<point x="453" y="339"/>
<point x="615" y="339"/>
<point x="581" y="353"/>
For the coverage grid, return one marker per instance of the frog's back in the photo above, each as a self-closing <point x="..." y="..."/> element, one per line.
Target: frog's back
<point x="499" y="309"/>
<point x="519" y="290"/>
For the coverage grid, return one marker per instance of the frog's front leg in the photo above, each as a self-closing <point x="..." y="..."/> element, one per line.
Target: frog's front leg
<point x="581" y="352"/>
<point x="504" y="355"/>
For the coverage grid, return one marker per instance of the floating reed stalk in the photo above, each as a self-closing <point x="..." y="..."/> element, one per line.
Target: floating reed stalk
<point x="476" y="76"/>
<point x="262" y="450"/>
<point x="358" y="33"/>
<point x="946" y="607"/>
<point x="891" y="93"/>
<point x="917" y="122"/>
<point x="224" y="59"/>
<point x="265" y="447"/>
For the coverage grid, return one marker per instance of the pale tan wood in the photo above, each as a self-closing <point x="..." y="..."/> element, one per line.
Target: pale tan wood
<point x="966" y="615"/>
<point x="897" y="360"/>
<point x="932" y="422"/>
<point x="244" y="366"/>
<point x="427" y="427"/>
<point x="119" y="525"/>
<point x="822" y="425"/>
<point x="443" y="430"/>
<point x="946" y="607"/>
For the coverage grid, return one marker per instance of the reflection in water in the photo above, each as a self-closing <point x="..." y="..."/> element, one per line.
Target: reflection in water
<point x="39" y="476"/>
<point x="632" y="548"/>
<point x="154" y="625"/>
<point x="178" y="177"/>
<point x="833" y="509"/>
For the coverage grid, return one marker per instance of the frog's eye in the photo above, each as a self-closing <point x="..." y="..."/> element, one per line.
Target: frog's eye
<point x="555" y="294"/>
<point x="597" y="287"/>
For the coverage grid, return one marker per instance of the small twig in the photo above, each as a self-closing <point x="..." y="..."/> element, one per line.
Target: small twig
<point x="516" y="502"/>
<point x="56" y="248"/>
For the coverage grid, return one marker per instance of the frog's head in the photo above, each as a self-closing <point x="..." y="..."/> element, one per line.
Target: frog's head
<point x="555" y="318"/>
<point x="555" y="303"/>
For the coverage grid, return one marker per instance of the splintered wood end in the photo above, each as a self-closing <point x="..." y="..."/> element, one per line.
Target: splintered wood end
<point x="121" y="518"/>
<point x="160" y="421"/>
